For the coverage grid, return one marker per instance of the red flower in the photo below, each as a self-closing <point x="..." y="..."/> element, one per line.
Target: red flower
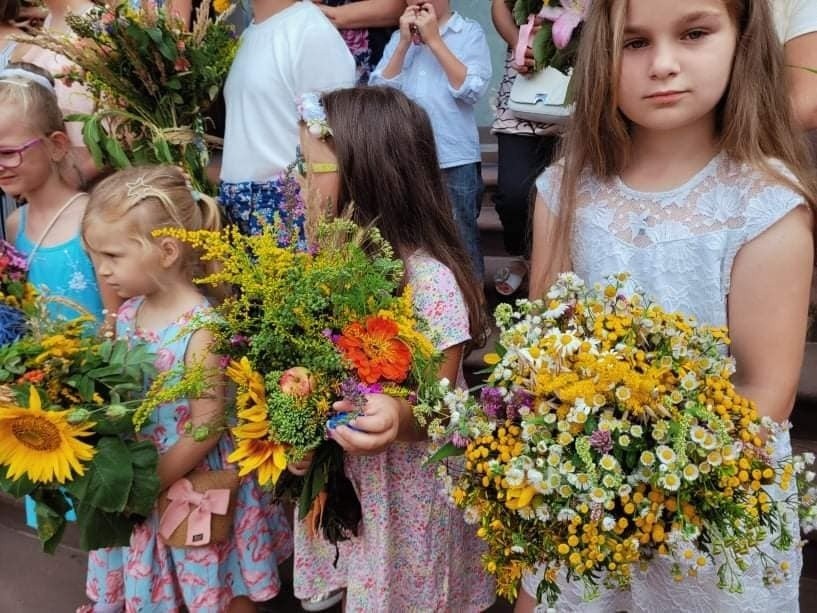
<point x="375" y="350"/>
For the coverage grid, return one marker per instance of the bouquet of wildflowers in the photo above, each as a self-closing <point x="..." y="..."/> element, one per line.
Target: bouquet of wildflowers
<point x="17" y="296"/>
<point x="303" y="329"/>
<point x="66" y="434"/>
<point x="557" y="42"/>
<point x="151" y="79"/>
<point x="609" y="432"/>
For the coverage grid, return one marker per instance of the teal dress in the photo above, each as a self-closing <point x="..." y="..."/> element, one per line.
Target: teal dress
<point x="64" y="272"/>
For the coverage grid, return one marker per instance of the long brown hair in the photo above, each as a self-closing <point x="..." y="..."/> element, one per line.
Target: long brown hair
<point x="754" y="119"/>
<point x="388" y="169"/>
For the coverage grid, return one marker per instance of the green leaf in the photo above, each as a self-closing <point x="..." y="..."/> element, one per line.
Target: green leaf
<point x="522" y="9"/>
<point x="98" y="529"/>
<point x="118" y="353"/>
<point x="446" y="451"/>
<point x="162" y="150"/>
<point x="85" y="387"/>
<point x="543" y="47"/>
<point x="111" y="474"/>
<point x="91" y="137"/>
<point x="326" y="455"/>
<point x="18" y="488"/>
<point x="145" y="488"/>
<point x="50" y="509"/>
<point x="168" y="50"/>
<point x="104" y="372"/>
<point x="155" y="34"/>
<point x="116" y="153"/>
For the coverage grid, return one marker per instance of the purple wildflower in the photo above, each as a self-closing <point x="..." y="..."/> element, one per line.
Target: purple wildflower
<point x="355" y="391"/>
<point x="238" y="340"/>
<point x="492" y="404"/>
<point x="521" y="398"/>
<point x="601" y="441"/>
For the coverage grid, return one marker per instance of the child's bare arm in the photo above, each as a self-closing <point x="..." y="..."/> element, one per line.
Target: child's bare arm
<point x="188" y="453"/>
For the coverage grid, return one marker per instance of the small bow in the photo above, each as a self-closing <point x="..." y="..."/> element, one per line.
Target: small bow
<point x="198" y="508"/>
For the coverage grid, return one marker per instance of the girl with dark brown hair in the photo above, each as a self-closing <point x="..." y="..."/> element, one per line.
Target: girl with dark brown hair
<point x="414" y="552"/>
<point x="682" y="166"/>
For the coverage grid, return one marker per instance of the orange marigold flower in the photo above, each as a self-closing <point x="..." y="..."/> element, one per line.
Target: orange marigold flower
<point x="32" y="376"/>
<point x="375" y="350"/>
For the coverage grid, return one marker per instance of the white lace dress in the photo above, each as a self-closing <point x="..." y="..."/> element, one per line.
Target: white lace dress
<point x="679" y="247"/>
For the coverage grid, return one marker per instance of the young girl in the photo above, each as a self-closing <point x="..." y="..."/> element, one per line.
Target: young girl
<point x="682" y="167"/>
<point x="72" y="98"/>
<point x="33" y="151"/>
<point x="288" y="49"/>
<point x="155" y="276"/>
<point x="414" y="552"/>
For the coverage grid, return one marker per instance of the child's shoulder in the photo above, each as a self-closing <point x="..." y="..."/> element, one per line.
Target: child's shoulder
<point x="461" y="24"/>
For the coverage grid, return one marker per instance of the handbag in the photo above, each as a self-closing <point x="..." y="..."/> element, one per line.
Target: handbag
<point x="198" y="509"/>
<point x="541" y="97"/>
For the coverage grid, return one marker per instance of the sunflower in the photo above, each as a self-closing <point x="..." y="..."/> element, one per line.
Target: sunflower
<point x="250" y="385"/>
<point x="266" y="457"/>
<point x="375" y="350"/>
<point x="42" y="445"/>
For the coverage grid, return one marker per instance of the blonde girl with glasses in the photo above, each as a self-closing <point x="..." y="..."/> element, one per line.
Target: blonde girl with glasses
<point x="33" y="151"/>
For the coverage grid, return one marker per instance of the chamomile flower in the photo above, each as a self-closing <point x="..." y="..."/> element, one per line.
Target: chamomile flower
<point x="691" y="472"/>
<point x="665" y="454"/>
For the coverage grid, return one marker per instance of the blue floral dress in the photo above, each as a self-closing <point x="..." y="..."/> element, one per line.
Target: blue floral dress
<point x="150" y="576"/>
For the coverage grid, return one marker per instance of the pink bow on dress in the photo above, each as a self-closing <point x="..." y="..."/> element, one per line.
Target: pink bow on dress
<point x="182" y="499"/>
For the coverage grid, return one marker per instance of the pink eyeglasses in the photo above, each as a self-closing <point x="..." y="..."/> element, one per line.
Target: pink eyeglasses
<point x="12" y="157"/>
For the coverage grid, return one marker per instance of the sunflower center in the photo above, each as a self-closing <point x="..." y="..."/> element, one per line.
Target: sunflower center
<point x="35" y="433"/>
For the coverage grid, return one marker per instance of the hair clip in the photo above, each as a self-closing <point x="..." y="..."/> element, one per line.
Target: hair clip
<point x="137" y="188"/>
<point x="7" y="75"/>
<point x="313" y="114"/>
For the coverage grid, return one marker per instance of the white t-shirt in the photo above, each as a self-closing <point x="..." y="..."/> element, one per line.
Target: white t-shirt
<point x="295" y="51"/>
<point x="793" y="18"/>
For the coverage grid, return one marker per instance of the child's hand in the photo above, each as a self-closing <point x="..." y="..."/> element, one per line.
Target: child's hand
<point x="299" y="469"/>
<point x="427" y="24"/>
<point x="408" y="24"/>
<point x="374" y="430"/>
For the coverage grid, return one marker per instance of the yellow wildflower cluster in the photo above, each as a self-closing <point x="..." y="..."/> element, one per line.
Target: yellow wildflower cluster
<point x="609" y="432"/>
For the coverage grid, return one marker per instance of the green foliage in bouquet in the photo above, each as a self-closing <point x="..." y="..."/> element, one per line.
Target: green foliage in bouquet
<point x="151" y="79"/>
<point x="66" y="434"/>
<point x="555" y="43"/>
<point x="305" y="328"/>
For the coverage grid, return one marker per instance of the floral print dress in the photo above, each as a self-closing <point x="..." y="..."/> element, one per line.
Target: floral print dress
<point x="415" y="552"/>
<point x="365" y="44"/>
<point x="149" y="575"/>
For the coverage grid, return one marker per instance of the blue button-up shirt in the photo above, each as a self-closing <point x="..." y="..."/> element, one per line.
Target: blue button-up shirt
<point x="451" y="110"/>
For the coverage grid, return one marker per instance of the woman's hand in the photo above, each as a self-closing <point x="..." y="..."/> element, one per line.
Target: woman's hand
<point x="373" y="430"/>
<point x="527" y="67"/>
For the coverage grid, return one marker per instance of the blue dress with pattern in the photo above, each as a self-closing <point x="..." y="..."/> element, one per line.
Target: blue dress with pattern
<point x="151" y="576"/>
<point x="64" y="272"/>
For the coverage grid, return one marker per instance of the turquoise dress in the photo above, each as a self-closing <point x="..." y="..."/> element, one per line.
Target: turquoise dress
<point x="152" y="577"/>
<point x="64" y="272"/>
